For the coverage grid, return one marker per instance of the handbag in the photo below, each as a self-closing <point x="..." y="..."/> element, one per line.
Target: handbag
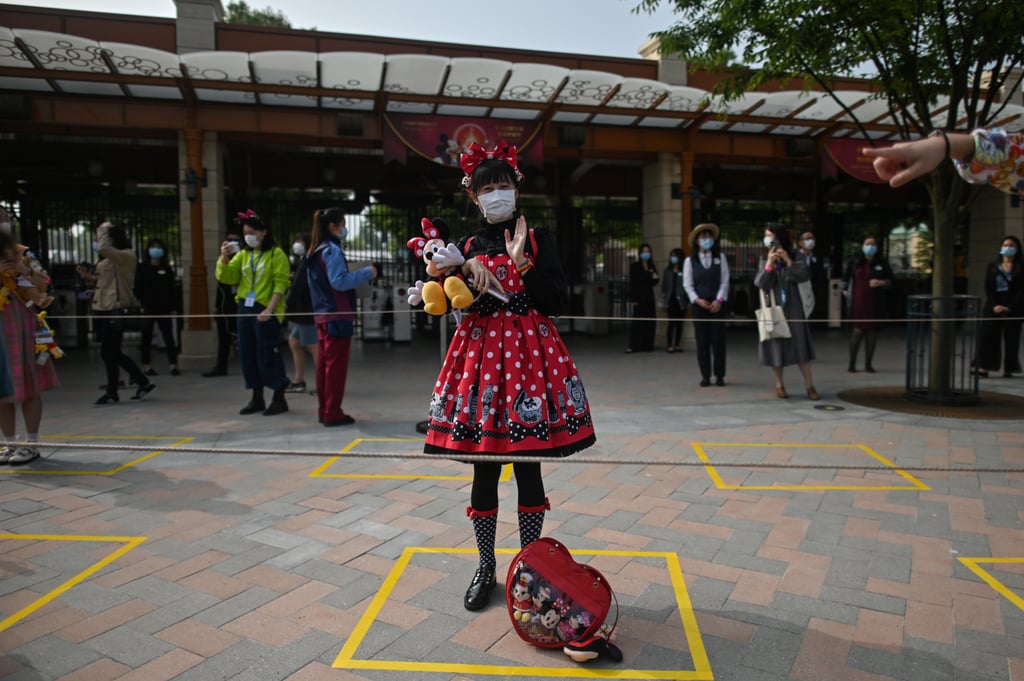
<point x="126" y="317"/>
<point x="553" y="600"/>
<point x="771" y="318"/>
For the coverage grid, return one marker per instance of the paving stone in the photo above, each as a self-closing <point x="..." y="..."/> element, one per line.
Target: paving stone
<point x="51" y="657"/>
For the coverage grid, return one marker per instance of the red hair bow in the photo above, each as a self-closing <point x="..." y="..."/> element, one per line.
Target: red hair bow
<point x="476" y="155"/>
<point x="419" y="243"/>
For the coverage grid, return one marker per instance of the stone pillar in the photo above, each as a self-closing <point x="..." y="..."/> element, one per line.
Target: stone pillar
<point x="993" y="217"/>
<point x="195" y="24"/>
<point x="202" y="231"/>
<point x="666" y="219"/>
<point x="202" y="217"/>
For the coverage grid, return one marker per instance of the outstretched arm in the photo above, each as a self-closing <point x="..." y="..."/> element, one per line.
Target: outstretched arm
<point x="905" y="161"/>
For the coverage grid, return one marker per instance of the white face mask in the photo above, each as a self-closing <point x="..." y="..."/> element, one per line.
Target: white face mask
<point x="809" y="244"/>
<point x="499" y="205"/>
<point x="252" y="241"/>
<point x="5" y="227"/>
<point x="299" y="248"/>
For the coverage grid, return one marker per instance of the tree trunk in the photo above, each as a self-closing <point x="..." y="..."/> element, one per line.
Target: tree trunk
<point x="947" y="196"/>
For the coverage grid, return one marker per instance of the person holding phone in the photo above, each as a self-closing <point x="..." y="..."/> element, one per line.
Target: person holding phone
<point x="780" y="275"/>
<point x="226" y="308"/>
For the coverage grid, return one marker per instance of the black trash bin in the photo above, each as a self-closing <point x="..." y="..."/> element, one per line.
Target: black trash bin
<point x="942" y="346"/>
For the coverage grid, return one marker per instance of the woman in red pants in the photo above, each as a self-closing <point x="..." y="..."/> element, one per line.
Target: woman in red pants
<point x="332" y="289"/>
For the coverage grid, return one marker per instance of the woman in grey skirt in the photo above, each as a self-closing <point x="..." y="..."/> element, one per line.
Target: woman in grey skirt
<point x="780" y="274"/>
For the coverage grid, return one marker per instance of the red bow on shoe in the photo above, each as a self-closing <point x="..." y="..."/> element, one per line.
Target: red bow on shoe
<point x="476" y="155"/>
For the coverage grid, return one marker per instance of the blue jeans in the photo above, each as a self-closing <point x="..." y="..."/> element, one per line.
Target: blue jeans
<point x="259" y="348"/>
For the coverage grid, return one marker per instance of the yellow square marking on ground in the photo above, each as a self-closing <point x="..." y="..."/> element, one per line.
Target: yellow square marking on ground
<point x="178" y="441"/>
<point x="701" y="671"/>
<point x="988" y="578"/>
<point x="129" y="544"/>
<point x="320" y="471"/>
<point x="699" y="447"/>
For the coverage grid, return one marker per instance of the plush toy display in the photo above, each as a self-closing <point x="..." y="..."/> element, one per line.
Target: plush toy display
<point x="443" y="260"/>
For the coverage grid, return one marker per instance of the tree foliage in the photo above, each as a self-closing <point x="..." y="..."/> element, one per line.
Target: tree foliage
<point x="239" y="12"/>
<point x="937" y="63"/>
<point x="917" y="53"/>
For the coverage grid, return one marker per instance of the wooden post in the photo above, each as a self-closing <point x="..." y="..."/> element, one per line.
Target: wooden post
<point x="199" y="299"/>
<point x="686" y="193"/>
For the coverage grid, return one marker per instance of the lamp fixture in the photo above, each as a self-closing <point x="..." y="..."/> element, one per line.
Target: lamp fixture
<point x="192" y="183"/>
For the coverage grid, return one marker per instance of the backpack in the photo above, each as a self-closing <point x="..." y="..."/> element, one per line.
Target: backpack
<point x="552" y="599"/>
<point x="298" y="300"/>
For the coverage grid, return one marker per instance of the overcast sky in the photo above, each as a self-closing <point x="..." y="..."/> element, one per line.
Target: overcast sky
<point x="600" y="27"/>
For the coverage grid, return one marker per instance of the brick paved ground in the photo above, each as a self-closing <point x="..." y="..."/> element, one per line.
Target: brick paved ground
<point x="118" y="564"/>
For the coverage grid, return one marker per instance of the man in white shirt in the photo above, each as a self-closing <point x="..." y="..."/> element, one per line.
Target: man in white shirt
<point x="706" y="280"/>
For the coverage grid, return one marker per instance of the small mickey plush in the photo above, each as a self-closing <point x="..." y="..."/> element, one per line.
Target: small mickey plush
<point x="443" y="260"/>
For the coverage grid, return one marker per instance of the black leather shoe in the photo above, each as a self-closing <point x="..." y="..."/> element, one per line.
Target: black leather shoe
<point x="276" y="407"/>
<point x="253" y="407"/>
<point x="719" y="381"/>
<point x="705" y="382"/>
<point x="478" y="595"/>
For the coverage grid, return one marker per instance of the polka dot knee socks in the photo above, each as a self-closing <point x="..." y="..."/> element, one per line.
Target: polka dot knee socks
<point x="531" y="522"/>
<point x="485" y="527"/>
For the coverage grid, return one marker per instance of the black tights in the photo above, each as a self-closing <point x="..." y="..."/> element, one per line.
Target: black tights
<point x="484" y="496"/>
<point x="870" y="340"/>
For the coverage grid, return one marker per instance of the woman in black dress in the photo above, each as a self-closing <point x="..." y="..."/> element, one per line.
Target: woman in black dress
<point x="643" y="277"/>
<point x="1004" y="304"/>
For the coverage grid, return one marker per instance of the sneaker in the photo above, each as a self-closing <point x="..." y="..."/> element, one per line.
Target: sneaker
<point x="23" y="455"/>
<point x="345" y="420"/>
<point x="589" y="648"/>
<point x="143" y="391"/>
<point x="5" y="454"/>
<point x="107" y="398"/>
<point x="299" y="387"/>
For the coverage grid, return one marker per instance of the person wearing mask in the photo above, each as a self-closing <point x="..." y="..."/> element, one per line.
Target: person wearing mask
<point x="303" y="335"/>
<point x="226" y="307"/>
<point x="780" y="274"/>
<point x="1004" y="305"/>
<point x="158" y="295"/>
<point x="706" y="280"/>
<point x="23" y="379"/>
<point x="508" y="385"/>
<point x="815" y="288"/>
<point x="643" y="277"/>
<point x="262" y="274"/>
<point x="333" y="298"/>
<point x="868" y="280"/>
<point x="114" y="280"/>
<point x="674" y="299"/>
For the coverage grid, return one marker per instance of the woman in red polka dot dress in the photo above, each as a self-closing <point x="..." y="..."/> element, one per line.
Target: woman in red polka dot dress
<point x="508" y="385"/>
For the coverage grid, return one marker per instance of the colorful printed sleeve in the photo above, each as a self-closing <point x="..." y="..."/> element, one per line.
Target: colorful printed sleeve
<point x="998" y="160"/>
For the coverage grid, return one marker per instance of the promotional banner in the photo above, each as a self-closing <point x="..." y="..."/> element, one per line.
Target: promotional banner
<point x="847" y="155"/>
<point x="442" y="139"/>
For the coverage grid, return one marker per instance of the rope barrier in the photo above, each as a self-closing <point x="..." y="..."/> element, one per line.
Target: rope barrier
<point x="472" y="458"/>
<point x="729" y="320"/>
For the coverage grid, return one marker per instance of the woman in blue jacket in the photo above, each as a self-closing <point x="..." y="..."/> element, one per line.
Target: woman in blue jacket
<point x="332" y="290"/>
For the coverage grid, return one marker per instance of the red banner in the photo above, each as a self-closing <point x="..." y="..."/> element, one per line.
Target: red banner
<point x="442" y="139"/>
<point x="847" y="155"/>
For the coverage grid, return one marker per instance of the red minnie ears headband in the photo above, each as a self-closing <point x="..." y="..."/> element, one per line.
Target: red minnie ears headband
<point x="247" y="215"/>
<point x="476" y="155"/>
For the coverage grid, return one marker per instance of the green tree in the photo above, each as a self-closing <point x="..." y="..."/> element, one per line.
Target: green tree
<point x="944" y="64"/>
<point x="239" y="12"/>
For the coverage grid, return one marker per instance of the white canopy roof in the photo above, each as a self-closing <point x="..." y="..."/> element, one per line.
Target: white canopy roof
<point x="42" y="61"/>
